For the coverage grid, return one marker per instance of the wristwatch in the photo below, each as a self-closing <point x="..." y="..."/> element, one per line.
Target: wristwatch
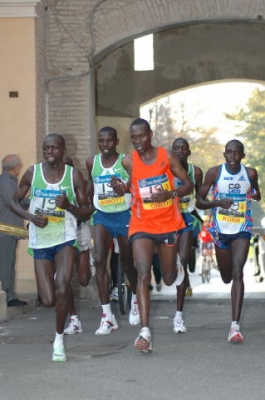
<point x="174" y="194"/>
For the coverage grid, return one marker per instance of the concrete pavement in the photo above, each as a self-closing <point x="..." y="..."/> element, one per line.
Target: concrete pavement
<point x="199" y="364"/>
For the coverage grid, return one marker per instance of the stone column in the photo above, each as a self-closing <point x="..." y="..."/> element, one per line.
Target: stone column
<point x="91" y="109"/>
<point x="3" y="305"/>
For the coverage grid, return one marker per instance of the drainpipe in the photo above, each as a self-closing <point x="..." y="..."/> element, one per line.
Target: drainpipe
<point x="47" y="111"/>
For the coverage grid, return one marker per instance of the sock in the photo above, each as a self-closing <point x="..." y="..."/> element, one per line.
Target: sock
<point x="59" y="337"/>
<point x="134" y="298"/>
<point x="234" y="324"/>
<point x="74" y="317"/>
<point x="106" y="309"/>
<point x="179" y="315"/>
<point x="146" y="329"/>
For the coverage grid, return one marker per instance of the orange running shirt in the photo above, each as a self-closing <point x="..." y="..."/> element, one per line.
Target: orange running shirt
<point x="148" y="216"/>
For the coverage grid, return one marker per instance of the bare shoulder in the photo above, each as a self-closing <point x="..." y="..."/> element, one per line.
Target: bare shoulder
<point x="198" y="176"/>
<point x="30" y="169"/>
<point x="127" y="163"/>
<point x="90" y="161"/>
<point x="197" y="169"/>
<point x="172" y="156"/>
<point x="213" y="173"/>
<point x="127" y="159"/>
<point x="77" y="175"/>
<point x="28" y="174"/>
<point x="252" y="172"/>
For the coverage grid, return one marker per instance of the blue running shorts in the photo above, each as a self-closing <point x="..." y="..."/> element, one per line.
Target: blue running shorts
<point x="116" y="223"/>
<point x="49" y="252"/>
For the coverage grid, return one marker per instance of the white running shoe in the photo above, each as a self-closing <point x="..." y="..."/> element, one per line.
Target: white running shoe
<point x="114" y="295"/>
<point x="181" y="272"/>
<point x="144" y="341"/>
<point x="73" y="327"/>
<point x="107" y="325"/>
<point x="58" y="352"/>
<point x="235" y="336"/>
<point x="134" y="316"/>
<point x="178" y="326"/>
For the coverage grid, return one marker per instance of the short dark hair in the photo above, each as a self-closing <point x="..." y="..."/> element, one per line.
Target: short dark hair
<point x="140" y="121"/>
<point x="57" y="136"/>
<point x="238" y="143"/>
<point x="184" y="140"/>
<point x="109" y="129"/>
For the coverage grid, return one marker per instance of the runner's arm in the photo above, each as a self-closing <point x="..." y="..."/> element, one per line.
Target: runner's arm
<point x="81" y="211"/>
<point x="20" y="194"/>
<point x="202" y="201"/>
<point x="253" y="174"/>
<point x="119" y="186"/>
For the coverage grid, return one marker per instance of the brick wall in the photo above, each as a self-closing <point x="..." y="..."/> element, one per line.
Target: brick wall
<point x="80" y="32"/>
<point x="40" y="78"/>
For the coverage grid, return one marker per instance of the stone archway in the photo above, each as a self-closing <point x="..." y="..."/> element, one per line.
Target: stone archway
<point x="184" y="56"/>
<point x="82" y="40"/>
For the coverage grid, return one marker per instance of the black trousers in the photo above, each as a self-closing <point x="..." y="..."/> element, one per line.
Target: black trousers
<point x="8" y="247"/>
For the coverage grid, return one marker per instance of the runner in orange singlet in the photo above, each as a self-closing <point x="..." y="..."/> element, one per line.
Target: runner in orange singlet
<point x="155" y="218"/>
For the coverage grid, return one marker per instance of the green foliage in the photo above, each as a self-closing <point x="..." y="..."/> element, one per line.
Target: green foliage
<point x="206" y="151"/>
<point x="252" y="118"/>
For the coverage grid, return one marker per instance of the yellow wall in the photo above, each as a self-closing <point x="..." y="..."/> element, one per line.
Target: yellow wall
<point x="122" y="127"/>
<point x="18" y="115"/>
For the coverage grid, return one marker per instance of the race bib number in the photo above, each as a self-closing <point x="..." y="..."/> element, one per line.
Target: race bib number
<point x="184" y="203"/>
<point x="236" y="214"/>
<point x="150" y="186"/>
<point x="44" y="204"/>
<point x="105" y="193"/>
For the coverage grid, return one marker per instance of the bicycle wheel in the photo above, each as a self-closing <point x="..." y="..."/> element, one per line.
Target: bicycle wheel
<point x="122" y="290"/>
<point x="204" y="272"/>
<point x="208" y="271"/>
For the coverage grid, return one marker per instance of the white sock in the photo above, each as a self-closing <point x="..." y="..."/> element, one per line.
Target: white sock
<point x="74" y="317"/>
<point x="179" y="315"/>
<point x="134" y="298"/>
<point x="145" y="329"/>
<point x="59" y="337"/>
<point x="234" y="324"/>
<point x="106" y="309"/>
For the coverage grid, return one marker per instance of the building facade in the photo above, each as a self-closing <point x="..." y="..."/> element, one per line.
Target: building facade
<point x="67" y="67"/>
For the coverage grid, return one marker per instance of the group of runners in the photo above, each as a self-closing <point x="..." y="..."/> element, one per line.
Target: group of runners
<point x="146" y="200"/>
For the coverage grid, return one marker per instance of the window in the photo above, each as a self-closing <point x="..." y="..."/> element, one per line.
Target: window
<point x="144" y="53"/>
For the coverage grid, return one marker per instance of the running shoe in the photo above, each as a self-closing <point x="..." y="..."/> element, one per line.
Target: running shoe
<point x="235" y="336"/>
<point x="73" y="327"/>
<point x="178" y="326"/>
<point x="134" y="316"/>
<point x="144" y="341"/>
<point x="181" y="272"/>
<point x="107" y="325"/>
<point x="159" y="286"/>
<point x="114" y="295"/>
<point x="58" y="351"/>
